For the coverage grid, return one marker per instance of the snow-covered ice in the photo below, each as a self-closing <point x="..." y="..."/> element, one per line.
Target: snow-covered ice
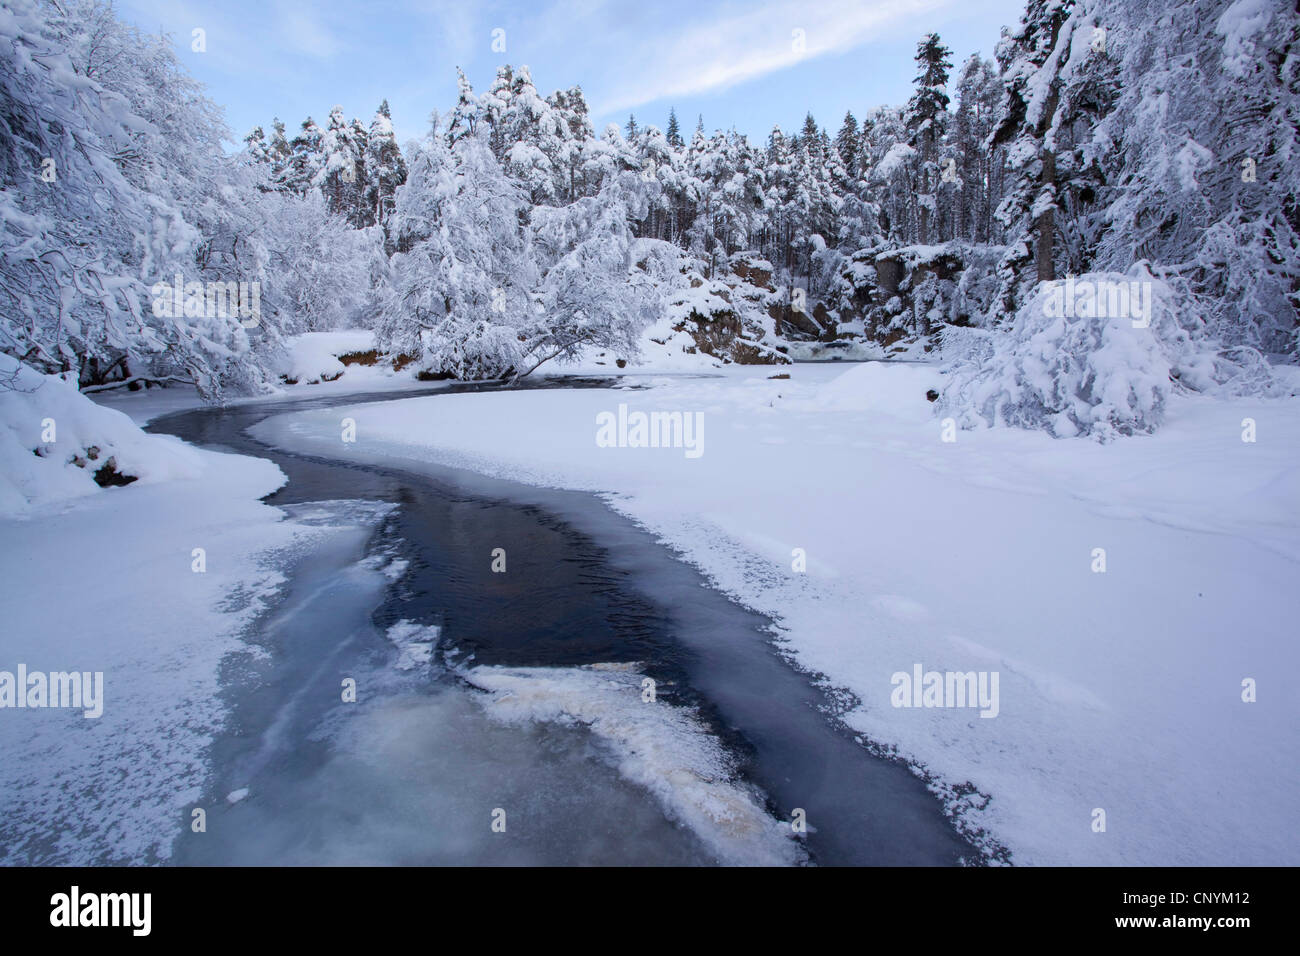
<point x="104" y="580"/>
<point x="658" y="746"/>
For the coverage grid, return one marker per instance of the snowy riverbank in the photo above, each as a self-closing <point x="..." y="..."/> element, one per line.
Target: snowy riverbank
<point x="108" y="580"/>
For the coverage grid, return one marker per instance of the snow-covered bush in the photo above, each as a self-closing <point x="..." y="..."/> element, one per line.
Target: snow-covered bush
<point x="1095" y="355"/>
<point x="318" y="269"/>
<point x="314" y="357"/>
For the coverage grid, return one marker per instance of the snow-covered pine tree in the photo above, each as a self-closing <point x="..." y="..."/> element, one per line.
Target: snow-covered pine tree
<point x="277" y="148"/>
<point x="1029" y="60"/>
<point x="926" y="117"/>
<point x="255" y="143"/>
<point x="385" y="167"/>
<point x="891" y="163"/>
<point x="306" y="158"/>
<point x="465" y="115"/>
<point x="674" y="131"/>
<point x="570" y="110"/>
<point x="530" y="138"/>
<point x="979" y="169"/>
<point x="341" y="177"/>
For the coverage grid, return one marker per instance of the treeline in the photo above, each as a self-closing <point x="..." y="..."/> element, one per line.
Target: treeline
<point x="356" y="169"/>
<point x="1109" y="136"/>
<point x="920" y="173"/>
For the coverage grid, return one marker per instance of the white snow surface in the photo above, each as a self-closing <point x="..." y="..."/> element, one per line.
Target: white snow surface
<point x="1120" y="690"/>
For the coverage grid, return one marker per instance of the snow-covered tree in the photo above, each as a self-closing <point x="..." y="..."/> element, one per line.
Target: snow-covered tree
<point x="590" y="293"/>
<point x="846" y="144"/>
<point x="385" y="167"/>
<point x="306" y="158"/>
<point x="115" y="180"/>
<point x="925" y="117"/>
<point x="674" y="131"/>
<point x="458" y="297"/>
<point x="978" y="170"/>
<point x="341" y="177"/>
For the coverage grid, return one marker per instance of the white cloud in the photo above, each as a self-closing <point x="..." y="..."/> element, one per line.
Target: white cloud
<point x="712" y="55"/>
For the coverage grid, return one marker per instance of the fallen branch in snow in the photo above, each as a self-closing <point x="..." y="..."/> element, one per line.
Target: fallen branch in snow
<point x="148" y="380"/>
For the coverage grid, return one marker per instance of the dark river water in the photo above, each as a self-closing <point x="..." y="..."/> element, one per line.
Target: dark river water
<point x="409" y="773"/>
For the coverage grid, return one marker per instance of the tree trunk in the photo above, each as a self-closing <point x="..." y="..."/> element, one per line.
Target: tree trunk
<point x="1045" y="225"/>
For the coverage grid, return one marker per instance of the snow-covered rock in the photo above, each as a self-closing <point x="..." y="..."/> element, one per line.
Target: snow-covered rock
<point x="57" y="444"/>
<point x="313" y="357"/>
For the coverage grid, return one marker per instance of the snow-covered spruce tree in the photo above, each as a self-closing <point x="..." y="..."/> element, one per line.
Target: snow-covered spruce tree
<point x="847" y="144"/>
<point x="385" y="167"/>
<point x="674" y="131"/>
<point x="926" y="120"/>
<point x="778" y="189"/>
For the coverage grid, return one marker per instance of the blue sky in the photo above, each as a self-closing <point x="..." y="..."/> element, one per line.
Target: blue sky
<point x="740" y="64"/>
